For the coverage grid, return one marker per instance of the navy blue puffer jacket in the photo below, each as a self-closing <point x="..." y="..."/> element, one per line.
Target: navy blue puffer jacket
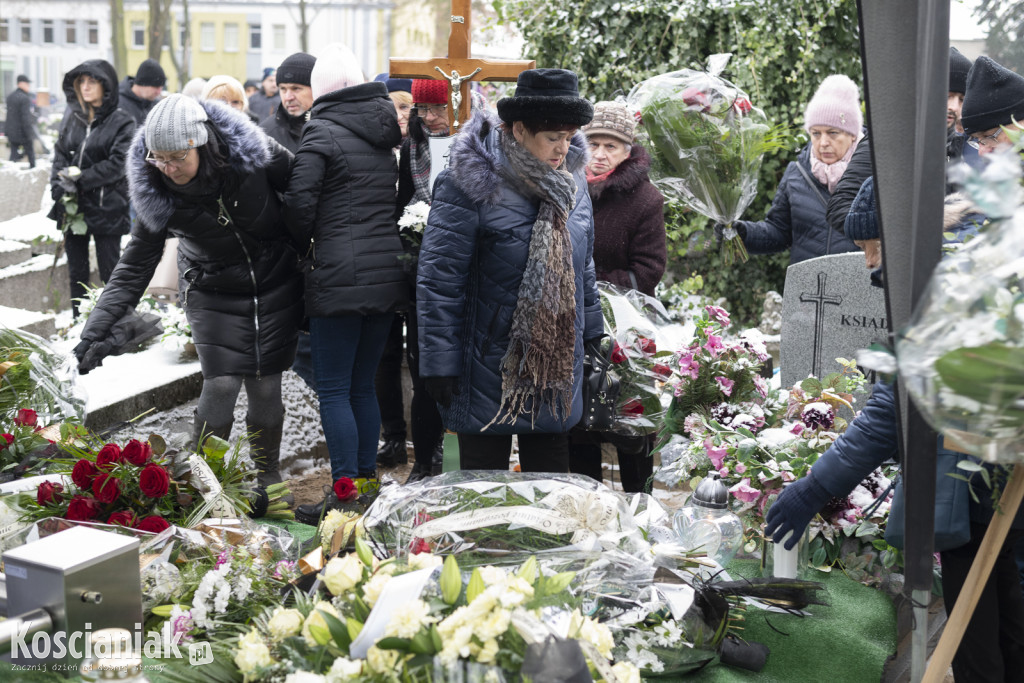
<point x="797" y="219"/>
<point x="471" y="264"/>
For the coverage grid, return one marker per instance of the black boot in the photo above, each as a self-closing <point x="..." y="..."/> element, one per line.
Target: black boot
<point x="314" y="512"/>
<point x="265" y="450"/>
<point x="201" y="430"/>
<point x="437" y="459"/>
<point x="393" y="451"/>
<point x="419" y="472"/>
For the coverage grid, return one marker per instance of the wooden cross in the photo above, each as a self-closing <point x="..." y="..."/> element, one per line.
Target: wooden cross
<point x="459" y="68"/>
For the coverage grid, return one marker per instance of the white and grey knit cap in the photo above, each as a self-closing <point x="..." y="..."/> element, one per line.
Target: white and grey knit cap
<point x="175" y="124"/>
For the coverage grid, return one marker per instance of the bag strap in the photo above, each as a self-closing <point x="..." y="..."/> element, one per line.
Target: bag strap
<point x="632" y="280"/>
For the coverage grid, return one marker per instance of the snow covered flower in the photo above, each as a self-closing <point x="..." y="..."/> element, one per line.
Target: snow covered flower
<point x="342" y="574"/>
<point x="715" y="453"/>
<point x="719" y="314"/>
<point x="744" y="491"/>
<point x="252" y="655"/>
<point x="688" y="367"/>
<point x="713" y="345"/>
<point x="761" y="385"/>
<point x="285" y="623"/>
<point x="818" y="415"/>
<point x="725" y="384"/>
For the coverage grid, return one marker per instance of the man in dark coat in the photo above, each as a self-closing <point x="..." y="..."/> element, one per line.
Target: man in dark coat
<point x="139" y="94"/>
<point x="21" y="119"/>
<point x="264" y="102"/>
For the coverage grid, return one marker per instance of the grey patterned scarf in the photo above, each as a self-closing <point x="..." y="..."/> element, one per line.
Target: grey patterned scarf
<point x="537" y="369"/>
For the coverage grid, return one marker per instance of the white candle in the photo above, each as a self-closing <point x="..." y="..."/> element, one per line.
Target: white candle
<point x="784" y="562"/>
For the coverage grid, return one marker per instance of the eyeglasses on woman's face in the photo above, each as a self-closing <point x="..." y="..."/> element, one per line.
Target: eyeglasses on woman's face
<point x="167" y="159"/>
<point x="987" y="141"/>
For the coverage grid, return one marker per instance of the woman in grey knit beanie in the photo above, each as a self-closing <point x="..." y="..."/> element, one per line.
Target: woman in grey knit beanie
<point x="204" y="173"/>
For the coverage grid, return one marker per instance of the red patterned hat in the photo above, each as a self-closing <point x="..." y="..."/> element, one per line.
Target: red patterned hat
<point x="429" y="91"/>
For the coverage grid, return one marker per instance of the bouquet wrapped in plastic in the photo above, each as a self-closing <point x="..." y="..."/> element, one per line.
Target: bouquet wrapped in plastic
<point x="962" y="357"/>
<point x="34" y="377"/>
<point x="644" y="344"/>
<point x="500" y="517"/>
<point x="706" y="141"/>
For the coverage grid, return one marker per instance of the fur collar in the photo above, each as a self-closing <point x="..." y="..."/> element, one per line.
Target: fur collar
<point x="476" y="158"/>
<point x="957" y="208"/>
<point x="629" y="174"/>
<point x="246" y="147"/>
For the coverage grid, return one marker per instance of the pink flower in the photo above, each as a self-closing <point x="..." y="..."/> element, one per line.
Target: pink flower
<point x="744" y="491"/>
<point x="761" y="385"/>
<point x="787" y="476"/>
<point x="719" y="314"/>
<point x="725" y="385"/>
<point x="724" y="472"/>
<point x="714" y="344"/>
<point x="688" y="367"/>
<point x="715" y="455"/>
<point x="740" y="468"/>
<point x="797" y="429"/>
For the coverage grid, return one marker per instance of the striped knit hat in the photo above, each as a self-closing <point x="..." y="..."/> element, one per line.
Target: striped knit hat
<point x="175" y="124"/>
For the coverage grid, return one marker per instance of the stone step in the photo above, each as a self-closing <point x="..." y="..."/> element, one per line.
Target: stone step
<point x="24" y="190"/>
<point x="41" y="324"/>
<point x="12" y="252"/>
<point x="37" y="284"/>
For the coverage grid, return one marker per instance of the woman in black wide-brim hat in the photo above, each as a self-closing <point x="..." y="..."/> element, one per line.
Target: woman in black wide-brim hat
<point x="505" y="289"/>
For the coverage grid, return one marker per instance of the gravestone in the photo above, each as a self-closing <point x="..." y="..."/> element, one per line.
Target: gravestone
<point x="829" y="310"/>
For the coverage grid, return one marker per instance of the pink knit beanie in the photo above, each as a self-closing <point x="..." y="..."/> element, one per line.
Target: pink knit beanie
<point x="335" y="68"/>
<point x="836" y="104"/>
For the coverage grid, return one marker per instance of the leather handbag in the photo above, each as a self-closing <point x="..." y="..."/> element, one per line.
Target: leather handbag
<point x="952" y="501"/>
<point x="600" y="392"/>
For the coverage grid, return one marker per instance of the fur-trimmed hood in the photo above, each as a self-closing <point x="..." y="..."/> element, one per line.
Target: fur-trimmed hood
<point x="246" y="147"/>
<point x="476" y="158"/>
<point x="957" y="208"/>
<point x="627" y="176"/>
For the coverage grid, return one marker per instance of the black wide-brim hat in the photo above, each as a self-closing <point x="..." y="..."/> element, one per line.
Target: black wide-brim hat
<point x="551" y="95"/>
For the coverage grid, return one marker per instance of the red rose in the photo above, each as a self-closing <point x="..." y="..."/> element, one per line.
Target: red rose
<point x="83" y="474"/>
<point x="108" y="456"/>
<point x="154" y="481"/>
<point x="26" y="418"/>
<point x="419" y="545"/>
<point x="136" y="452"/>
<point x="8" y="440"/>
<point x="647" y="346"/>
<point x="743" y="106"/>
<point x="154" y="524"/>
<point x="662" y="370"/>
<point x="49" y="492"/>
<point x="83" y="509"/>
<point x="695" y="97"/>
<point x="106" y="488"/>
<point x="122" y="518"/>
<point x="633" y="407"/>
<point x="618" y="354"/>
<point x="345" y="490"/>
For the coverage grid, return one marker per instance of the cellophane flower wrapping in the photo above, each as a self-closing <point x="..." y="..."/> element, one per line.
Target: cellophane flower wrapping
<point x="706" y="141"/>
<point x="33" y="376"/>
<point x="494" y="517"/>
<point x="644" y="343"/>
<point x="962" y="356"/>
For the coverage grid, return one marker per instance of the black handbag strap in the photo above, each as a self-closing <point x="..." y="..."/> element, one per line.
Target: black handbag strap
<point x="632" y="279"/>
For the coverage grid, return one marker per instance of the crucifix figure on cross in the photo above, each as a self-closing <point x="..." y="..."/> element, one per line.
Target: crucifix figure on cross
<point x="459" y="62"/>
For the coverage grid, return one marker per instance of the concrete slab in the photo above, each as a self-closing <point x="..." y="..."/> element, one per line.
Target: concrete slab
<point x="12" y="252"/>
<point x="41" y="324"/>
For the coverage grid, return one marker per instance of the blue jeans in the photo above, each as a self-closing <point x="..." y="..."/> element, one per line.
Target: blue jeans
<point x="346" y="351"/>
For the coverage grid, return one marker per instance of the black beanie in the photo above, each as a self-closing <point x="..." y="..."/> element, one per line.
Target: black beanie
<point x="959" y="67"/>
<point x="862" y="221"/>
<point x="150" y="73"/>
<point x="296" y="69"/>
<point x="994" y="97"/>
<point x="551" y="95"/>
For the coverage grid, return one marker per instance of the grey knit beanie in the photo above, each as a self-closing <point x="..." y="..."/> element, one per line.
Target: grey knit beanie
<point x="175" y="124"/>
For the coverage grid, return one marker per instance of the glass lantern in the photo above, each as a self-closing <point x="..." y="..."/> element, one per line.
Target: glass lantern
<point x="706" y="523"/>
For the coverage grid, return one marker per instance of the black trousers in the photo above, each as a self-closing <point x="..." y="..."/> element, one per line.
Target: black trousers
<point x="24" y="149"/>
<point x="389" y="384"/>
<point x="636" y="466"/>
<point x="108" y="251"/>
<point x="537" y="452"/>
<point x="992" y="649"/>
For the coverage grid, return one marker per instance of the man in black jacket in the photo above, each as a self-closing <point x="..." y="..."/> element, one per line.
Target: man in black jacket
<point x="286" y="124"/>
<point x="139" y="94"/>
<point x="20" y="121"/>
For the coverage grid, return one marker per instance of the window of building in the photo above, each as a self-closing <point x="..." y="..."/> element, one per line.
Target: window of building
<point x="207" y="37"/>
<point x="48" y="31"/>
<point x="139" y="35"/>
<point x="70" y="32"/>
<point x="255" y="36"/>
<point x="93" y="27"/>
<point x="278" y="36"/>
<point x="4" y="28"/>
<point x="181" y="35"/>
<point x="231" y="37"/>
<point x="26" y="31"/>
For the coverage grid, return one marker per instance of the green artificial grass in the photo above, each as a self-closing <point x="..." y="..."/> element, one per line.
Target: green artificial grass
<point x="846" y="641"/>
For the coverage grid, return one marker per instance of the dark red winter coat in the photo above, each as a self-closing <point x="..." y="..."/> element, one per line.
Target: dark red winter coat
<point x="629" y="225"/>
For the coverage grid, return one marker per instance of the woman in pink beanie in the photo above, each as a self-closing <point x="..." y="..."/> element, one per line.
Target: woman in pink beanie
<point x="796" y="220"/>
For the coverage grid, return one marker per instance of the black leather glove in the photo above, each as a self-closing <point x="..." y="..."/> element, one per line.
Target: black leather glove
<point x="794" y="509"/>
<point x="442" y="389"/>
<point x="90" y="354"/>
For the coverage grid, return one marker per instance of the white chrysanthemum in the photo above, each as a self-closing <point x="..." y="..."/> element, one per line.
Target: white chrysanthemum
<point x="304" y="677"/>
<point x="626" y="672"/>
<point x="647" y="660"/>
<point x="425" y="561"/>
<point x="342" y="574"/>
<point x="252" y="654"/>
<point x="492" y="575"/>
<point x="488" y="652"/>
<point x="344" y="669"/>
<point x="408" y="618"/>
<point x="494" y="625"/>
<point x="285" y="623"/>
<point x="515" y="592"/>
<point x="244" y="588"/>
<point x="317" y="619"/>
<point x="372" y="588"/>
